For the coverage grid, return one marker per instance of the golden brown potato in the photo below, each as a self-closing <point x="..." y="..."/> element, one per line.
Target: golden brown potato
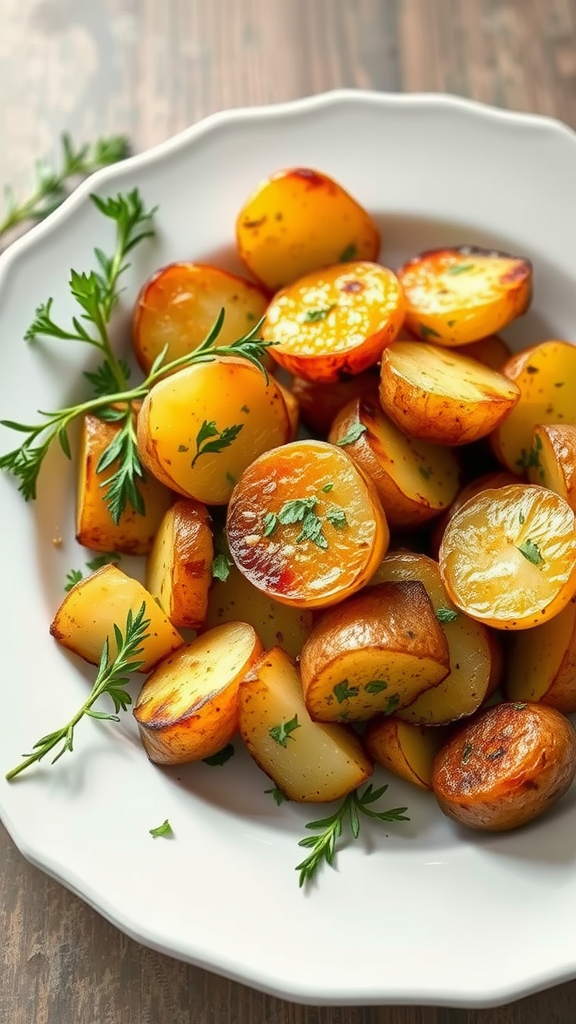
<point x="441" y="396"/>
<point x="491" y="351"/>
<point x="335" y="321"/>
<point x="505" y="767"/>
<point x="494" y="478"/>
<point x="546" y="378"/>
<point x="541" y="663"/>
<point x="307" y="761"/>
<point x="406" y="750"/>
<point x="305" y="526"/>
<point x="414" y="480"/>
<point x="468" y="682"/>
<point x="552" y="460"/>
<point x="179" y="567"/>
<point x="134" y="533"/>
<point x="277" y="625"/>
<point x="88" y="613"/>
<point x="319" y="403"/>
<point x="456" y="296"/>
<point x="199" y="428"/>
<point x="376" y="652"/>
<point x="188" y="708"/>
<point x="300" y="220"/>
<point x="179" y="304"/>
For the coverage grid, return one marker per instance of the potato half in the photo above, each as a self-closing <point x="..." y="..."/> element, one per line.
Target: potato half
<point x="552" y="460"/>
<point x="188" y="708"/>
<point x="179" y="567"/>
<point x="319" y="403"/>
<point x="404" y="749"/>
<point x="505" y="767"/>
<point x="88" y="613"/>
<point x="541" y="663"/>
<point x="308" y="761"/>
<point x="376" y="652"/>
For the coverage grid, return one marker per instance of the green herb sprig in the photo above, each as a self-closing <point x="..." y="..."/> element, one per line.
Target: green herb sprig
<point x="111" y="681"/>
<point x="323" y="845"/>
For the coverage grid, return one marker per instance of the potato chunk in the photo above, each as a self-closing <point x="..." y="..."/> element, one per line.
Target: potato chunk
<point x="308" y="761"/>
<point x="88" y="613"/>
<point x="440" y="396"/>
<point x="552" y="460"/>
<point x="178" y="571"/>
<point x="300" y="220"/>
<point x="541" y="663"/>
<point x="505" y="767"/>
<point x="377" y="651"/>
<point x="456" y="296"/>
<point x="188" y="708"/>
<point x="305" y="526"/>
<point x="406" y="750"/>
<point x="320" y="403"/>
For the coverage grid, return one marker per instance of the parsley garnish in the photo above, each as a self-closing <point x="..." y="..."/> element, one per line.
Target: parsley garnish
<point x="343" y="691"/>
<point x="72" y="578"/>
<point x="75" y="575"/>
<point x="532" y="457"/>
<point x="110" y="680"/>
<point x="303" y="510"/>
<point x="426" y="473"/>
<point x="531" y="551"/>
<point x="521" y="518"/>
<point x="313" y="316"/>
<point x="165" y="829"/>
<point x="220" y="758"/>
<point x="391" y="704"/>
<point x="221" y="563"/>
<point x="210" y="439"/>
<point x="353" y="434"/>
<point x="277" y="795"/>
<point x="327" y="488"/>
<point x="428" y="332"/>
<point x="337" y="517"/>
<point x="460" y="268"/>
<point x="323" y="845"/>
<point x="282" y="732"/>
<point x="467" y="753"/>
<point x="376" y="686"/>
<point x="446" y="614"/>
<point x="349" y="253"/>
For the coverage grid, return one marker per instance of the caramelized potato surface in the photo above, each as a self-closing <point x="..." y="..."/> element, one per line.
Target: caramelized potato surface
<point x="178" y="571"/>
<point x="406" y="750"/>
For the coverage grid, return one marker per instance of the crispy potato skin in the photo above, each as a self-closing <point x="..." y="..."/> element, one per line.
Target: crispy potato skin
<point x="506" y="767"/>
<point x="300" y="220"/>
<point x="541" y="663"/>
<point x="95" y="529"/>
<point x="178" y="571"/>
<point x="320" y="403"/>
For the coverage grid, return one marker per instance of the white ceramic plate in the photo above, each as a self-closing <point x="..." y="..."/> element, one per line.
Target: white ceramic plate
<point x="419" y="912"/>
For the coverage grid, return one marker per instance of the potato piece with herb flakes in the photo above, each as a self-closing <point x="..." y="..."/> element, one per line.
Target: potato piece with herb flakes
<point x="552" y="460"/>
<point x="404" y="749"/>
<point x="179" y="566"/>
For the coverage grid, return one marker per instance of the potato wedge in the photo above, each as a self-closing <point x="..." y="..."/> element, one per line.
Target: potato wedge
<point x="277" y="625"/>
<point x="178" y="306"/>
<point x="300" y="220"/>
<point x="415" y="480"/>
<point x="308" y="761"/>
<point x="508" y="556"/>
<point x="179" y="567"/>
<point x="404" y="749"/>
<point x="199" y="428"/>
<point x="456" y="296"/>
<point x="188" y="708"/>
<point x="334" y="321"/>
<point x="320" y="403"/>
<point x="305" y="526"/>
<point x="134" y="533"/>
<point x="505" y="767"/>
<point x="440" y="396"/>
<point x="88" y="613"/>
<point x="546" y="378"/>
<point x="541" y="663"/>
<point x="376" y="652"/>
<point x="552" y="459"/>
<point x="468" y="683"/>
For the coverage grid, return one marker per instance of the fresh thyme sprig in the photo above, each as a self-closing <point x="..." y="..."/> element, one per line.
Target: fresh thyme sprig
<point x="52" y="185"/>
<point x="111" y="680"/>
<point x="323" y="846"/>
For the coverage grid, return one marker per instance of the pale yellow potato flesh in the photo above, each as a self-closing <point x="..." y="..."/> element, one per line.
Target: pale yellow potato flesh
<point x="415" y="480"/>
<point x="405" y="749"/>
<point x="317" y="762"/>
<point x="95" y="529"/>
<point x="553" y="459"/>
<point x="441" y="396"/>
<point x="278" y="625"/>
<point x="467" y="684"/>
<point x="179" y="566"/>
<point x="541" y="663"/>
<point x="546" y="378"/>
<point x="376" y="652"/>
<point x="86" y="618"/>
<point x="226" y="392"/>
<point x="188" y="708"/>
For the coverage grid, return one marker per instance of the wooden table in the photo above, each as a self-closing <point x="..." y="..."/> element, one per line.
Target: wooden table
<point x="149" y="68"/>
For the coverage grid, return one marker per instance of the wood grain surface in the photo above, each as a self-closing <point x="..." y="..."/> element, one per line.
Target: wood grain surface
<point x="148" y="68"/>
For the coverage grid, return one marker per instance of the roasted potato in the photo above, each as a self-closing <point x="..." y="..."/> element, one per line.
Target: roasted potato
<point x="305" y="526"/>
<point x="471" y="667"/>
<point x="376" y="652"/>
<point x="491" y="351"/>
<point x="494" y="478"/>
<point x="552" y="459"/>
<point x="308" y="761"/>
<point x="508" y="556"/>
<point x="415" y="480"/>
<point x="88" y="613"/>
<point x="320" y="403"/>
<point x="541" y="663"/>
<point x="404" y="749"/>
<point x="300" y="220"/>
<point x="179" y="567"/>
<point x="179" y="305"/>
<point x="505" y="767"/>
<point x="456" y="296"/>
<point x="134" y="532"/>
<point x="440" y="396"/>
<point x="546" y="378"/>
<point x="199" y="428"/>
<point x="188" y="708"/>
